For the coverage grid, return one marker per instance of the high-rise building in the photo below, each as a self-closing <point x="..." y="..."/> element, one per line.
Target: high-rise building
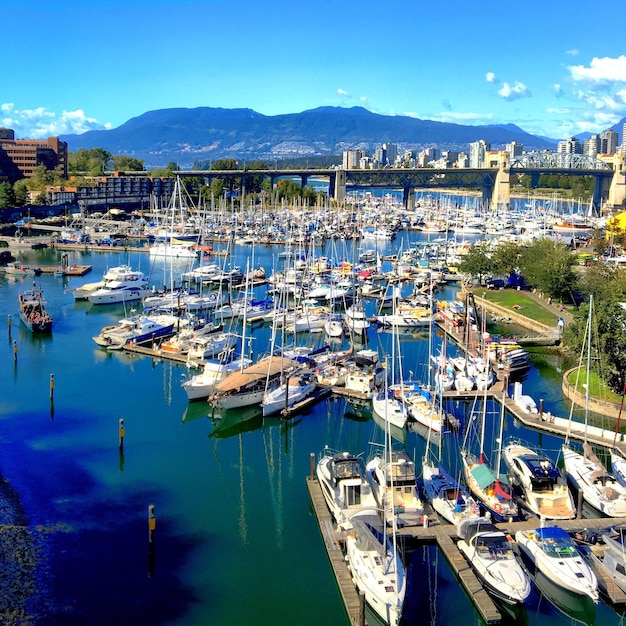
<point x="624" y="138"/>
<point x="514" y="149"/>
<point x="570" y="146"/>
<point x="477" y="152"/>
<point x="391" y="150"/>
<point x="591" y="146"/>
<point x="20" y="157"/>
<point x="608" y="142"/>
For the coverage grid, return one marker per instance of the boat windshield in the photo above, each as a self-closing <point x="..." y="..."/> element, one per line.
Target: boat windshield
<point x="495" y="547"/>
<point x="556" y="544"/>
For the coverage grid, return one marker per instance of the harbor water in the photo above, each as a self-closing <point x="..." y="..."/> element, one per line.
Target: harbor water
<point x="235" y="540"/>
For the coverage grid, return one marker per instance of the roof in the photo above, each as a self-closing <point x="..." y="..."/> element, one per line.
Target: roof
<point x="551" y="532"/>
<point x="271" y="366"/>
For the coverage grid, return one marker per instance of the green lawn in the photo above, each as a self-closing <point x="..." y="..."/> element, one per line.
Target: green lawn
<point x="520" y="302"/>
<point x="597" y="389"/>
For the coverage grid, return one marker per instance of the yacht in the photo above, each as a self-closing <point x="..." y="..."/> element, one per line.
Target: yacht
<point x="345" y="484"/>
<point x="551" y="550"/>
<point x="136" y="329"/>
<point x="394" y="482"/>
<point x="355" y="318"/>
<point x="83" y="292"/>
<point x="293" y="390"/>
<point x="126" y="285"/>
<point x="200" y="386"/>
<point x="490" y="553"/>
<point x="544" y="489"/>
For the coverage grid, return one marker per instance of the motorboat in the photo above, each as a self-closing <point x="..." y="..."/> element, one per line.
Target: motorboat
<point x="544" y="489"/>
<point x="82" y="292"/>
<point x="33" y="312"/>
<point x="376" y="567"/>
<point x="490" y="553"/>
<point x="395" y="486"/>
<point x="345" y="484"/>
<point x="136" y="329"/>
<point x="127" y="285"/>
<point x="174" y="250"/>
<point x="551" y="550"/>
<point x="599" y="488"/>
<point x="605" y="552"/>
<point x="355" y="318"/>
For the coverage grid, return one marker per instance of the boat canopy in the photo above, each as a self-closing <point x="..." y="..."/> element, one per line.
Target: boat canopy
<point x="552" y="532"/>
<point x="271" y="366"/>
<point x="485" y="476"/>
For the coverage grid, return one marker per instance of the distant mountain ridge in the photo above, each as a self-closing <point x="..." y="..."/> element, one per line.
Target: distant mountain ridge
<point x="186" y="135"/>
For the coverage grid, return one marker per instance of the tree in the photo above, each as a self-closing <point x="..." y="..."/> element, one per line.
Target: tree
<point x="506" y="258"/>
<point x="477" y="262"/>
<point x="225" y="164"/>
<point x="7" y="196"/>
<point x="127" y="164"/>
<point x="549" y="266"/>
<point x="21" y="192"/>
<point x="93" y="162"/>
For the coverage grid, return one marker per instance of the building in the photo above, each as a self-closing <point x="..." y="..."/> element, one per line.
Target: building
<point x="591" y="146"/>
<point x="514" y="149"/>
<point x="623" y="148"/>
<point x="477" y="152"/>
<point x="608" y="142"/>
<point x="20" y="157"/>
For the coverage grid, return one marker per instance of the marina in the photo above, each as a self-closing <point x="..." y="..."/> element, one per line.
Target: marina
<point x="255" y="468"/>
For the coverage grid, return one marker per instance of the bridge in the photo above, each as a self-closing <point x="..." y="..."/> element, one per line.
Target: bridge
<point x="493" y="181"/>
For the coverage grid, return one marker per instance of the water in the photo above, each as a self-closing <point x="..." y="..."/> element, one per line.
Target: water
<point x="235" y="541"/>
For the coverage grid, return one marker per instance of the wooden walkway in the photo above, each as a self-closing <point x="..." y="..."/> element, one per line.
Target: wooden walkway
<point x="352" y="600"/>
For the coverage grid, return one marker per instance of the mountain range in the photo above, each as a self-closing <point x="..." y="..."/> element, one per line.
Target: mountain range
<point x="185" y="136"/>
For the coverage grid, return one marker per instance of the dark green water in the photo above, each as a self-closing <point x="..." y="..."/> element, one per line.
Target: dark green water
<point x="235" y="542"/>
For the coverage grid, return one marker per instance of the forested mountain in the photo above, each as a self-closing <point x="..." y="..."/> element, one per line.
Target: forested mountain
<point x="188" y="135"/>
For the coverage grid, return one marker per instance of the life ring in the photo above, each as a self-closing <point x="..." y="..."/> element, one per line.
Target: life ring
<point x="497" y="508"/>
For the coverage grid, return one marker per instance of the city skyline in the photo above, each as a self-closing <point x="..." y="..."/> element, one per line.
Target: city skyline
<point x="543" y="67"/>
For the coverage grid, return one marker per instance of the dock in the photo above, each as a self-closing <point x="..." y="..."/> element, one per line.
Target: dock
<point x="444" y="536"/>
<point x="354" y="602"/>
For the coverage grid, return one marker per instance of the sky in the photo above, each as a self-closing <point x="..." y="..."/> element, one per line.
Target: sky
<point x="555" y="68"/>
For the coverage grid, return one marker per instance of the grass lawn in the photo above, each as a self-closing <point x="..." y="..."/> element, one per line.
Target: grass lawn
<point x="597" y="387"/>
<point x="520" y="302"/>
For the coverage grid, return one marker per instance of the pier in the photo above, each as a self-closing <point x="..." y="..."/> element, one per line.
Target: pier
<point x="444" y="536"/>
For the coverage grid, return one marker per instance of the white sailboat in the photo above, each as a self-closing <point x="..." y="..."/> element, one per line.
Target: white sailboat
<point x="599" y="488"/>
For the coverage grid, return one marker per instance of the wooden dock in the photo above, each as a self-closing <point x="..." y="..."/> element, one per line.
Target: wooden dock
<point x="353" y="601"/>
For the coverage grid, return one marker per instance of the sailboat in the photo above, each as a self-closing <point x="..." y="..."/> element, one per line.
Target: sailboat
<point x="487" y="485"/>
<point x="373" y="558"/>
<point x="599" y="488"/>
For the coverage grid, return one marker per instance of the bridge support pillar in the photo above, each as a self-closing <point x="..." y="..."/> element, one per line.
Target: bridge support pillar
<point x="339" y="191"/>
<point x="617" y="190"/>
<point x="502" y="187"/>
<point x="408" y="198"/>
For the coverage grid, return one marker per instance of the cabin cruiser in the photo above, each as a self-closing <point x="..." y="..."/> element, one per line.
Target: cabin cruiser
<point x="345" y="484"/>
<point x="289" y="392"/>
<point x="136" y="329"/>
<point x="551" y="550"/>
<point x="490" y="553"/>
<point x="544" y="489"/>
<point x="126" y="286"/>
<point x="394" y="483"/>
<point x="83" y="292"/>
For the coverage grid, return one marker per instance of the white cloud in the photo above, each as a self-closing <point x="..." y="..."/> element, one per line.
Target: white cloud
<point x="572" y="52"/>
<point x="557" y="89"/>
<point x="490" y="77"/>
<point x="343" y="92"/>
<point x="600" y="71"/>
<point x="514" y="92"/>
<point x="363" y="99"/>
<point x="40" y="122"/>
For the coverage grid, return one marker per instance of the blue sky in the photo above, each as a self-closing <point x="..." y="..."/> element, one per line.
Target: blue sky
<point x="553" y="67"/>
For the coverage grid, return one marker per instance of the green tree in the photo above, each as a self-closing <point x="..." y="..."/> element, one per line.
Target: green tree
<point x="7" y="196"/>
<point x="93" y="162"/>
<point x="225" y="164"/>
<point x="549" y="266"/>
<point x="127" y="164"/>
<point x="477" y="262"/>
<point x="506" y="258"/>
<point x="21" y="192"/>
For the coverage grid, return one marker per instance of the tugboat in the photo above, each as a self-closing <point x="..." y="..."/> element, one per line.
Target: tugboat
<point x="33" y="312"/>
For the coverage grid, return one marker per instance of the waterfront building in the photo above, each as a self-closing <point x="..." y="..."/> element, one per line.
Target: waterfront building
<point x="20" y="157"/>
